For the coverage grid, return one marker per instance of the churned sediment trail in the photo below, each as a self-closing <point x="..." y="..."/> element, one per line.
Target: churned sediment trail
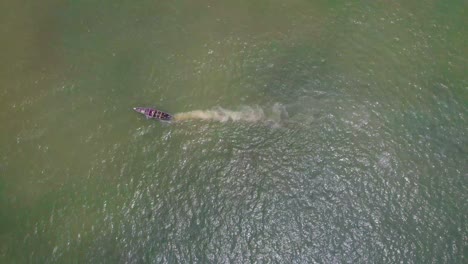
<point x="246" y="114"/>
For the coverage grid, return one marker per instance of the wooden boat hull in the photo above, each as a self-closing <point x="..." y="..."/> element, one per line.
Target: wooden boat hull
<point x="154" y="113"/>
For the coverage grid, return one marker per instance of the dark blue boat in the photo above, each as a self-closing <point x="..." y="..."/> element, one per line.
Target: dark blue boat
<point x="154" y="113"/>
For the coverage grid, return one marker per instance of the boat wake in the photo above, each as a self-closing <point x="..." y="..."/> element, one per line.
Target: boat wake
<point x="244" y="114"/>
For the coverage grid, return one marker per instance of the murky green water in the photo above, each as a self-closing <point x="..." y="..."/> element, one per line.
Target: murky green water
<point x="359" y="155"/>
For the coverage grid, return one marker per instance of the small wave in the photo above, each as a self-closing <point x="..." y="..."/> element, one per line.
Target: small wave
<point x="245" y="114"/>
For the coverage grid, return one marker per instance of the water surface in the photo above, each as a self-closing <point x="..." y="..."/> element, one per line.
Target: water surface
<point x="357" y="153"/>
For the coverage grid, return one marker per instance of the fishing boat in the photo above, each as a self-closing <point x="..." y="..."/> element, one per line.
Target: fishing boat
<point x="154" y="113"/>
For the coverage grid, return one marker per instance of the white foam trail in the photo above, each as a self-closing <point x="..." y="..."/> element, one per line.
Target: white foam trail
<point x="246" y="114"/>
